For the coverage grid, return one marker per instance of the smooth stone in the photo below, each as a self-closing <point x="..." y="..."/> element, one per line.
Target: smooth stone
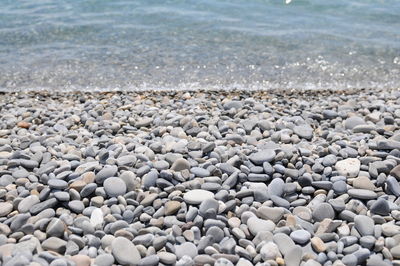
<point x="349" y="260"/>
<point x="363" y="182"/>
<point x="362" y="194"/>
<point x="57" y="184"/>
<point x="393" y="186"/>
<point x="187" y="248"/>
<point x="294" y="256"/>
<point x="76" y="206"/>
<point x="270" y="213"/>
<point x="106" y="172"/>
<point x="353" y="121"/>
<point x="260" y="157"/>
<point x="381" y="207"/>
<point x="257" y="225"/>
<point x="54" y="244"/>
<point x="104" y="260"/>
<point x="96" y="217"/>
<point x="197" y="196"/>
<point x="114" y="186"/>
<point x="284" y="242"/>
<point x="395" y="251"/>
<point x="208" y="206"/>
<point x="339" y="187"/>
<point x="276" y="187"/>
<point x="348" y="167"/>
<point x="322" y="211"/>
<point x="180" y="164"/>
<point x="167" y="258"/>
<point x="395" y="172"/>
<point x="56" y="228"/>
<point x="200" y="172"/>
<point x="5" y="208"/>
<point x="303" y="131"/>
<point x="150" y="179"/>
<point x="27" y="203"/>
<point x="364" y="225"/>
<point x="300" y="236"/>
<point x="151" y="260"/>
<point x="171" y="207"/>
<point x="81" y="260"/>
<point x="269" y="251"/>
<point x="124" y="251"/>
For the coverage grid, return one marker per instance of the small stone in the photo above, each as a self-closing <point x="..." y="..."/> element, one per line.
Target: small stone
<point x="363" y="182"/>
<point x="125" y="252"/>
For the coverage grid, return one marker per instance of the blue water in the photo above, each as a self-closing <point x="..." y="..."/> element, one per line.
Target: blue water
<point x="109" y="44"/>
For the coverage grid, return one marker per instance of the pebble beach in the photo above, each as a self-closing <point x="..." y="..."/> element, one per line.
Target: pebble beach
<point x="200" y="178"/>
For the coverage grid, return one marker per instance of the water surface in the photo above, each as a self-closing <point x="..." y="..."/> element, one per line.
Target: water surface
<point x="109" y="44"/>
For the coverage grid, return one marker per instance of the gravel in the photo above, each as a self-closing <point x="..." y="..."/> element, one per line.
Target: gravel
<point x="194" y="178"/>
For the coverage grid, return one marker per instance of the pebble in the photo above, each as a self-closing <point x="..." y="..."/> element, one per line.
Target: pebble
<point x="114" y="186"/>
<point x="260" y="157"/>
<point x="300" y="236"/>
<point x="197" y="196"/>
<point x="348" y="167"/>
<point x="125" y="252"/>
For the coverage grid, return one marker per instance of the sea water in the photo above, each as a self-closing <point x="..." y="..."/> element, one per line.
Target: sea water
<point x="190" y="44"/>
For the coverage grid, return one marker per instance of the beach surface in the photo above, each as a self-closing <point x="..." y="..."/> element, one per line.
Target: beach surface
<point x="200" y="178"/>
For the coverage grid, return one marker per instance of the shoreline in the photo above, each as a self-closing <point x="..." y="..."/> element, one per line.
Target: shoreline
<point x="200" y="177"/>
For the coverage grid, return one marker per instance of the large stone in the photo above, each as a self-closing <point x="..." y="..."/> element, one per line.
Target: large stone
<point x="125" y="252"/>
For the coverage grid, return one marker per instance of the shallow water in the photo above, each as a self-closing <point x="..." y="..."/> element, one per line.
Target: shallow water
<point x="109" y="44"/>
